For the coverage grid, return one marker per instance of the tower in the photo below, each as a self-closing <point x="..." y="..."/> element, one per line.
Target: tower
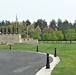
<point x="16" y="24"/>
<point x="16" y="19"/>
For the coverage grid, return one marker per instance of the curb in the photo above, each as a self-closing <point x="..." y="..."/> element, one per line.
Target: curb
<point x="44" y="71"/>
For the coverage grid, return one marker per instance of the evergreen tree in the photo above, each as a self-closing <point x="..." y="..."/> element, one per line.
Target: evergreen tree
<point x="74" y="25"/>
<point x="41" y="23"/>
<point x="53" y="24"/>
<point x="59" y="24"/>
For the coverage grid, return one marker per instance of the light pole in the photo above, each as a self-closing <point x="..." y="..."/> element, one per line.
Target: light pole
<point x="27" y="30"/>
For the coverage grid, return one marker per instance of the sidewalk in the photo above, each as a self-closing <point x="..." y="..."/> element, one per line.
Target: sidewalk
<point x="44" y="71"/>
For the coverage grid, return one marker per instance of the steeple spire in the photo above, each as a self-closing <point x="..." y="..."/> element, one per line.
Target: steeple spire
<point x="16" y="24"/>
<point x="16" y="18"/>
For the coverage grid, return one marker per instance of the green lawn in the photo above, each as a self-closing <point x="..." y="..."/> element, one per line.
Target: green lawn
<point x="66" y="52"/>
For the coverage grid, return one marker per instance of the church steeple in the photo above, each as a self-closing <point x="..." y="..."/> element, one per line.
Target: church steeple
<point x="16" y="24"/>
<point x="16" y="18"/>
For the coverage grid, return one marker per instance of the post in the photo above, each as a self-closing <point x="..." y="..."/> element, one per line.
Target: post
<point x="47" y="62"/>
<point x="27" y="31"/>
<point x="37" y="49"/>
<point x="55" y="54"/>
<point x="10" y="47"/>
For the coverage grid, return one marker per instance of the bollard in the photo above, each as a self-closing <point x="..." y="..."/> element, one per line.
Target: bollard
<point x="47" y="62"/>
<point x="55" y="54"/>
<point x="37" y="49"/>
<point x="10" y="47"/>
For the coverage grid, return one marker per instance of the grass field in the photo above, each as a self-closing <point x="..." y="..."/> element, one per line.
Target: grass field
<point x="66" y="52"/>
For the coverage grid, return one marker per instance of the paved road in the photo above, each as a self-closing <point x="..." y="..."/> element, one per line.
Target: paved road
<point x="21" y="62"/>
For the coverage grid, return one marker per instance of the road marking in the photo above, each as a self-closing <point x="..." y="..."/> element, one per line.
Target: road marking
<point x="21" y="69"/>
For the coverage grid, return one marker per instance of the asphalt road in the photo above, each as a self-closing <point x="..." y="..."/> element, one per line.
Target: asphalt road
<point x="21" y="62"/>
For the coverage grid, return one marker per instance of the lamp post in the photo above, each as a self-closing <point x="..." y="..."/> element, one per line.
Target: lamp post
<point x="27" y="29"/>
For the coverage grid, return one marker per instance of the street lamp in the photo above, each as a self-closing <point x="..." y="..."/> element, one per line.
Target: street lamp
<point x="27" y="30"/>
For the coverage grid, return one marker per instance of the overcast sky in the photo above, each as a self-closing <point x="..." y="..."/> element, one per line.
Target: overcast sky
<point x="36" y="9"/>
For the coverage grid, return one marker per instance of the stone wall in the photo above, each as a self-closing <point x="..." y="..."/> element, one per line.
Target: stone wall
<point x="16" y="38"/>
<point x="10" y="38"/>
<point x="29" y="41"/>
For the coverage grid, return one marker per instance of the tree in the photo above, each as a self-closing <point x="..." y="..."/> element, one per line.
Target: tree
<point x="53" y="24"/>
<point x="47" y="30"/>
<point x="56" y="35"/>
<point x="31" y="30"/>
<point x="24" y="23"/>
<point x="70" y="35"/>
<point x="7" y="22"/>
<point x="46" y="36"/>
<point x="65" y="26"/>
<point x="36" y="36"/>
<point x="28" y="22"/>
<point x="41" y="23"/>
<point x="3" y="22"/>
<point x="59" y="24"/>
<point x="20" y="29"/>
<point x="59" y="35"/>
<point x="74" y="25"/>
<point x="37" y="32"/>
<point x="75" y="36"/>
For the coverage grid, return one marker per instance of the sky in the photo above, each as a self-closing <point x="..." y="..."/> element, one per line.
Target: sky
<point x="38" y="9"/>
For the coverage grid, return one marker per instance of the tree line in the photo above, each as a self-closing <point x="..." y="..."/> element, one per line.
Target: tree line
<point x="60" y="30"/>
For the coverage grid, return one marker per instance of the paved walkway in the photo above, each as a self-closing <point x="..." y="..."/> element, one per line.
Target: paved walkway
<point x="21" y="62"/>
<point x="44" y="71"/>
